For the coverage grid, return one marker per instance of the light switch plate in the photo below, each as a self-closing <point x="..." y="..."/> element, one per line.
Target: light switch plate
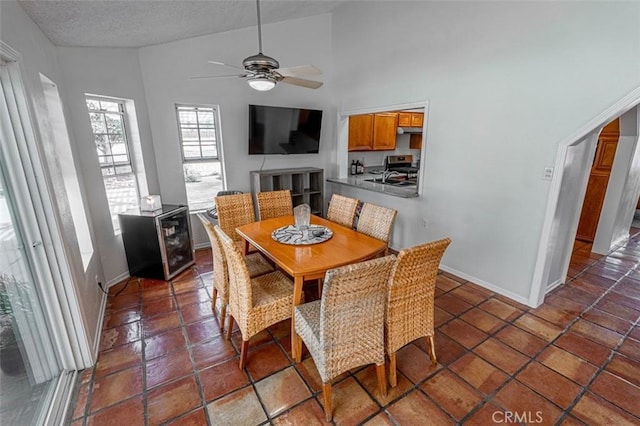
<point x="548" y="173"/>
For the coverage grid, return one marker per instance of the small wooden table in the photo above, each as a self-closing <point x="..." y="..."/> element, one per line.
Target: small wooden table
<point x="308" y="262"/>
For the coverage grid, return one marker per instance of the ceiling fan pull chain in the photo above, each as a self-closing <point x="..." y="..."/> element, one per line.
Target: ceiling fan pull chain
<point x="259" y="27"/>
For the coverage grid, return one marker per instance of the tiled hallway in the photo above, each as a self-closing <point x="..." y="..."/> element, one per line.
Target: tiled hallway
<point x="574" y="360"/>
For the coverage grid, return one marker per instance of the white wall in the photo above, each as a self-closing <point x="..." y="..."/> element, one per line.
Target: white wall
<point x="108" y="72"/>
<point x="39" y="56"/>
<point x="506" y="82"/>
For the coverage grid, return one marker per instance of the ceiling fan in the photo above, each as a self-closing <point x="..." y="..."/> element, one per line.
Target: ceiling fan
<point x="263" y="72"/>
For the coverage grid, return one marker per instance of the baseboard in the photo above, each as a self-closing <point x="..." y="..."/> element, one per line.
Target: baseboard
<point x="553" y="286"/>
<point x="201" y="246"/>
<point x="103" y="309"/>
<point x="487" y="285"/>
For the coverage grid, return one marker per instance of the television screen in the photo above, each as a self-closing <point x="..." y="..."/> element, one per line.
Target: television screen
<point x="279" y="130"/>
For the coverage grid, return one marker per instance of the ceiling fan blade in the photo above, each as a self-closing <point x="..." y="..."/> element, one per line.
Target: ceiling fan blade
<point x="226" y="65"/>
<point x="299" y="71"/>
<point x="218" y="76"/>
<point x="310" y="84"/>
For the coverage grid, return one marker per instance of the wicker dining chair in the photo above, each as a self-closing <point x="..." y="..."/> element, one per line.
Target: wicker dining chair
<point x="342" y="210"/>
<point x="409" y="308"/>
<point x="345" y="329"/>
<point x="233" y="211"/>
<point x="256" y="264"/>
<point x="274" y="204"/>
<point x="376" y="221"/>
<point x="255" y="303"/>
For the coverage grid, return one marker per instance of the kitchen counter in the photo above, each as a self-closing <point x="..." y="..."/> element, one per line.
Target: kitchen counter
<point x="360" y="181"/>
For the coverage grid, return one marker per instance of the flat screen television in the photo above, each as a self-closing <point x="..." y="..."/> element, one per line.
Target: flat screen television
<point x="280" y="130"/>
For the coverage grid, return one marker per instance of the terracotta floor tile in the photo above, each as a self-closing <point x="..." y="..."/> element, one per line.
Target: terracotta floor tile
<point x="129" y="412"/>
<point x="163" y="344"/>
<point x="351" y="404"/>
<point x="382" y="419"/>
<point x="617" y="391"/>
<point x="212" y="352"/>
<point x="629" y="287"/>
<point x="584" y="348"/>
<point x="452" y="304"/>
<point x="119" y="358"/>
<point x="116" y="318"/>
<point x="630" y="348"/>
<point x="567" y="364"/>
<point x="576" y="295"/>
<point x="168" y="368"/>
<point x="550" y="384"/>
<point x="222" y="379"/>
<point x="172" y="400"/>
<point x="622" y="300"/>
<point x="635" y="333"/>
<point x="281" y="391"/>
<point x="414" y="363"/>
<point x="593" y="410"/>
<point x="159" y="306"/>
<point x="626" y="368"/>
<point x="116" y="387"/>
<point x="309" y="413"/>
<point x="280" y="330"/>
<point x="81" y="402"/>
<point x="516" y="397"/>
<point x="197" y="312"/>
<point x="488" y="414"/>
<point x="618" y="310"/>
<point x="612" y="272"/>
<point x="501" y="355"/>
<point x="597" y="280"/>
<point x="369" y="380"/>
<point x="192" y="418"/>
<point x="414" y="408"/>
<point x="566" y="305"/>
<point x="186" y="284"/>
<point x="447" y="349"/>
<point x="608" y="321"/>
<point x="86" y="375"/>
<point x="155" y="289"/>
<point x="446" y="283"/>
<point x="519" y="339"/>
<point x="202" y="331"/>
<point x="265" y="360"/>
<point x="463" y="333"/>
<point x="255" y="342"/>
<point x="440" y="316"/>
<point x="586" y="286"/>
<point x="451" y="393"/>
<point x="597" y="333"/>
<point x="470" y="294"/>
<point x="500" y="309"/>
<point x="571" y="421"/>
<point x="553" y="314"/>
<point x="479" y="373"/>
<point x="482" y="320"/>
<point x="538" y="327"/>
<point x="161" y="323"/>
<point x="198" y="296"/>
<point x="123" y="301"/>
<point x="241" y="407"/>
<point x="120" y="335"/>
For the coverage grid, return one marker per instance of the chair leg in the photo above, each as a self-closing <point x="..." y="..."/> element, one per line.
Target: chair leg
<point x="326" y="399"/>
<point x="229" y="327"/>
<point x="223" y="316"/>
<point x="382" y="379"/>
<point x="213" y="300"/>
<point x="393" y="379"/>
<point x="298" y="356"/>
<point x="432" y="350"/>
<point x="320" y="283"/>
<point x="243" y="353"/>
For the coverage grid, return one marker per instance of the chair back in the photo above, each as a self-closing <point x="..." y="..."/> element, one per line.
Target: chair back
<point x="412" y="284"/>
<point x="352" y="315"/>
<point x="240" y="292"/>
<point x="233" y="211"/>
<point x="220" y="274"/>
<point x="376" y="221"/>
<point x="274" y="204"/>
<point x="342" y="210"/>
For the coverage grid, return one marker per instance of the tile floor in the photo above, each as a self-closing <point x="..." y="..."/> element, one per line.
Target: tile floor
<point x="574" y="360"/>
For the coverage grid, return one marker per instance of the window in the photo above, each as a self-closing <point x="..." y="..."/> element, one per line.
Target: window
<point x="200" y="145"/>
<point x="107" y="117"/>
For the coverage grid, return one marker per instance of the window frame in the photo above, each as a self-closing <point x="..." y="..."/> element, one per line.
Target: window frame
<point x="216" y="128"/>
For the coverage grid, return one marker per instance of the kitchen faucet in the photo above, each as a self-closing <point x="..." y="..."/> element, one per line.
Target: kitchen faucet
<point x="387" y="174"/>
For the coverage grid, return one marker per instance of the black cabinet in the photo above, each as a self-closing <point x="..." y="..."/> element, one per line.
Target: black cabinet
<point x="157" y="244"/>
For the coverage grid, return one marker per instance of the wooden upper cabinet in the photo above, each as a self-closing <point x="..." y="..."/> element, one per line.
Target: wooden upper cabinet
<point x="369" y="132"/>
<point x="404" y="119"/>
<point x="384" y="131"/>
<point x="361" y="132"/>
<point x="417" y="119"/>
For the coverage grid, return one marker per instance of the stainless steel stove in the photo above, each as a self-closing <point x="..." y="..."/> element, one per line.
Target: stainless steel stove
<point x="401" y="164"/>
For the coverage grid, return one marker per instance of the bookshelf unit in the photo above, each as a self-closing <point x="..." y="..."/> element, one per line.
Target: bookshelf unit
<point x="305" y="183"/>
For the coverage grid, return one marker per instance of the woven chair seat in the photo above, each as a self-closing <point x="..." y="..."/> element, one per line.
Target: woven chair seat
<point x="257" y="265"/>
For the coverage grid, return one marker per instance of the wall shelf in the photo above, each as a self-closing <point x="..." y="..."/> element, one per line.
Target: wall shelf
<point x="305" y="183"/>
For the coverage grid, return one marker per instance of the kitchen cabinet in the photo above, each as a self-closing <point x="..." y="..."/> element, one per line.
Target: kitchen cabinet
<point x="157" y="244"/>
<point x="410" y="119"/>
<point x="415" y="141"/>
<point x="373" y="132"/>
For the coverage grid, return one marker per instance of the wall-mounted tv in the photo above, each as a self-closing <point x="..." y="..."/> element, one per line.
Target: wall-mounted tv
<point x="280" y="130"/>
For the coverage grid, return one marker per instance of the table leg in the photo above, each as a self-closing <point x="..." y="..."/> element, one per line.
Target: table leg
<point x="296" y="344"/>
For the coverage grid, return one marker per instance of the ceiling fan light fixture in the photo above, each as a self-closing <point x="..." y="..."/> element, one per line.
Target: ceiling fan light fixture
<point x="262" y="83"/>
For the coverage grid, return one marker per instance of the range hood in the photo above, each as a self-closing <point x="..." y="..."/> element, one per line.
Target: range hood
<point x="403" y="130"/>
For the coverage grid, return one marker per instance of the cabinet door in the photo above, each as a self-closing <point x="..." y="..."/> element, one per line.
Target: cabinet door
<point x="417" y="119"/>
<point x="404" y="119"/>
<point x="361" y="132"/>
<point x="596" y="190"/>
<point x="415" y="141"/>
<point x="384" y="131"/>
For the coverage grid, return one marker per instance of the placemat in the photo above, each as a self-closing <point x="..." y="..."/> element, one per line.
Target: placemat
<point x="290" y="235"/>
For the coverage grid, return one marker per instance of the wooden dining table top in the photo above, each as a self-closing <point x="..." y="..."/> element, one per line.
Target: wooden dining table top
<point x="346" y="246"/>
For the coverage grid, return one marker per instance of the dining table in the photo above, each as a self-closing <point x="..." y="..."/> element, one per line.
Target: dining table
<point x="305" y="262"/>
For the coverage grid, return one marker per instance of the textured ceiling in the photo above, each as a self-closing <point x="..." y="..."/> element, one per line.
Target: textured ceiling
<point x="136" y="23"/>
